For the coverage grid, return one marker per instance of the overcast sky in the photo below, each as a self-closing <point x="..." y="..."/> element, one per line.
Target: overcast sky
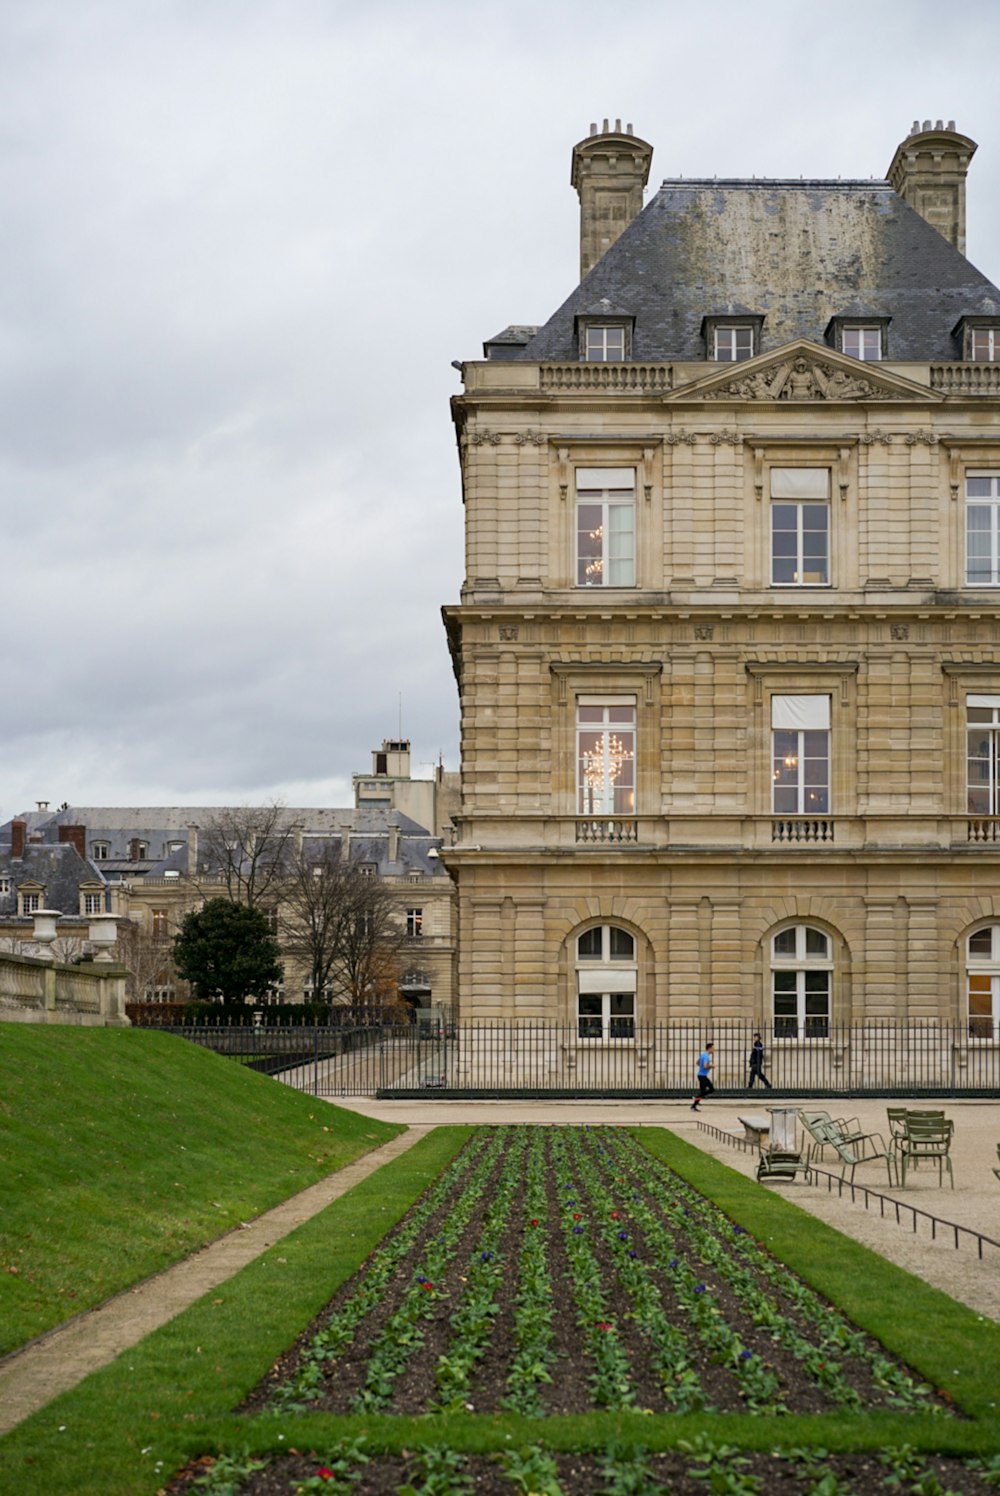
<point x="242" y="241"/>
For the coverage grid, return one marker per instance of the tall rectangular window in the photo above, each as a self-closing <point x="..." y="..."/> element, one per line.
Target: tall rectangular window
<point x="733" y="344"/>
<point x="605" y="756"/>
<point x="983" y="754"/>
<point x="605" y="345"/>
<point x="800" y="527"/>
<point x="864" y="343"/>
<point x="982" y="529"/>
<point x="605" y="527"/>
<point x="158" y="922"/>
<point x="414" y="923"/>
<point x="800" y="752"/>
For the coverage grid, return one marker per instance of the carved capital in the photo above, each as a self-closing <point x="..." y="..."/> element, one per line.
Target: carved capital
<point x="730" y="438"/>
<point x="673" y="438"/>
<point x="483" y="437"/>
<point x="523" y="438"/>
<point x="920" y="437"/>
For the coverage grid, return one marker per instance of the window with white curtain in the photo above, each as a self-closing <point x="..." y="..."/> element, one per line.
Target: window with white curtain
<point x="982" y="529"/>
<point x="605" y="755"/>
<point x="983" y="754"/>
<point x="800" y="755"/>
<point x="800" y="527"/>
<point x="605" y="527"/>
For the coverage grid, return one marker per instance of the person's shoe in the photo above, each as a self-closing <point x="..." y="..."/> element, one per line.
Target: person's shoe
<point x="694" y="1106"/>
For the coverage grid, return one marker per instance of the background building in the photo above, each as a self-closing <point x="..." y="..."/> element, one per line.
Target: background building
<point x="727" y="645"/>
<point x="151" y="865"/>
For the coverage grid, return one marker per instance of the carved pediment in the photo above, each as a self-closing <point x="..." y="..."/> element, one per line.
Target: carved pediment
<point x="803" y="372"/>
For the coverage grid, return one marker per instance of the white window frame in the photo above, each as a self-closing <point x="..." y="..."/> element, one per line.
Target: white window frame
<point x="93" y="903"/>
<point x="989" y="501"/>
<point x="982" y="982"/>
<point x="868" y="349"/>
<point x="605" y="527"/>
<point x="415" y="923"/>
<point x="733" y="343"/>
<point x="100" y="851"/>
<point x="4" y="883"/>
<point x="982" y="768"/>
<point x="800" y="744"/>
<point x="802" y="964"/>
<point x="29" y="902"/>
<point x="605" y="755"/>
<point x="606" y="985"/>
<point x="605" y="345"/>
<point x="795" y="494"/>
<point x="984" y="345"/>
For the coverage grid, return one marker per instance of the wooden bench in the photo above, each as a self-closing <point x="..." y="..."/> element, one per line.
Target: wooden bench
<point x="756" y="1130"/>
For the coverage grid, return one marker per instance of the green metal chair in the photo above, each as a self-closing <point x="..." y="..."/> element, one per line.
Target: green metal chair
<point x="927" y="1137"/>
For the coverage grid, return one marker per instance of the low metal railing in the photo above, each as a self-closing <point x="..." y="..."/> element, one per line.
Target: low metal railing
<point x="434" y="1054"/>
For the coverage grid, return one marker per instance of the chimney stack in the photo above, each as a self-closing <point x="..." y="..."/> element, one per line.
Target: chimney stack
<point x="17" y="835"/>
<point x="610" y="169"/>
<point x="77" y="835"/>
<point x="192" y="850"/>
<point x="929" y="170"/>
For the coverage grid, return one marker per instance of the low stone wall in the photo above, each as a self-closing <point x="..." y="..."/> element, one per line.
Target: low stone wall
<point x="33" y="990"/>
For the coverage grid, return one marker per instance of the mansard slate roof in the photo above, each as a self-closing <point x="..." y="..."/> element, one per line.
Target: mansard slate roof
<point x="797" y="252"/>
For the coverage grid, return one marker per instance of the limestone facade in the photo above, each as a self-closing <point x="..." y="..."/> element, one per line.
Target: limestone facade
<point x="773" y="720"/>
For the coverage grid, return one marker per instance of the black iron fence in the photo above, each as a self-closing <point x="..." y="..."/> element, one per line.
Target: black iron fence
<point x="435" y="1056"/>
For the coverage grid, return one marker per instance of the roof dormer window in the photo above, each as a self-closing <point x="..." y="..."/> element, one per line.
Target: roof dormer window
<point x="732" y="338"/>
<point x="604" y="333"/>
<point x="979" y="338"/>
<point x="864" y="343"/>
<point x="605" y="345"/>
<point x="861" y="336"/>
<point x="733" y="344"/>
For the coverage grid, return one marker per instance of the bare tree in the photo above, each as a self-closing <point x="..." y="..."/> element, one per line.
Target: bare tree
<point x="341" y="923"/>
<point x="148" y="959"/>
<point x="248" y="847"/>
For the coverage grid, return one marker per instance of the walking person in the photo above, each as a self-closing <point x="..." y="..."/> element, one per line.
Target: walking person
<point x="757" y="1063"/>
<point x="705" y="1086"/>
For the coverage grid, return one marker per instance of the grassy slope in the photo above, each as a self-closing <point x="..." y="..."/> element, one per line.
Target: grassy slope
<point x="121" y="1150"/>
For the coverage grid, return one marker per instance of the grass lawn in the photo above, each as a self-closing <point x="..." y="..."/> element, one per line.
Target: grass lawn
<point x="122" y="1150"/>
<point x="125" y="1429"/>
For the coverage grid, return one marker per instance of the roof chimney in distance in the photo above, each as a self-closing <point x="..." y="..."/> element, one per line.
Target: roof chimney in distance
<point x="929" y="170"/>
<point x="610" y="169"/>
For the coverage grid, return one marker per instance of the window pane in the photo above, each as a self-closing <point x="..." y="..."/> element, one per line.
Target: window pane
<point x="590" y="1005"/>
<point x="817" y="943"/>
<point x="784" y="943"/>
<point x="785" y="990"/>
<point x="981" y="944"/>
<point x="589" y="945"/>
<point x="622" y="945"/>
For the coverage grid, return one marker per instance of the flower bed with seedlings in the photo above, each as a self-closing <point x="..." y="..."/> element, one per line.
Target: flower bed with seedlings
<point x="565" y="1271"/>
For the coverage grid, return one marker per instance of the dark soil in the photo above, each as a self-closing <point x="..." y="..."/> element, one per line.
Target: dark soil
<point x="569" y="1391"/>
<point x="671" y="1474"/>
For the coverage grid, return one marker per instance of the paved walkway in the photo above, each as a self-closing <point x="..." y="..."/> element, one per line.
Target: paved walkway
<point x="32" y="1377"/>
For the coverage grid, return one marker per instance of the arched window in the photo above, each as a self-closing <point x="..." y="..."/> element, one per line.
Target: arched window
<point x="606" y="971"/>
<point x="801" y="982"/>
<point x="983" y="982"/>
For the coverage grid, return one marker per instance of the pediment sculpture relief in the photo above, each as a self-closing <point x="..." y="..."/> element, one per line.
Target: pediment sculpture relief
<point x="802" y="378"/>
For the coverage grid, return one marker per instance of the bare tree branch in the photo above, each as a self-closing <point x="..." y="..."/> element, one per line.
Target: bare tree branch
<point x="341" y="923"/>
<point x="248" y="847"/>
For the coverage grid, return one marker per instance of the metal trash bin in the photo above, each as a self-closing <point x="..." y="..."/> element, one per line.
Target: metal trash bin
<point x="784" y="1128"/>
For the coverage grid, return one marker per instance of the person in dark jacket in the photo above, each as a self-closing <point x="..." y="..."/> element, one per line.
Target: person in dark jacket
<point x="757" y="1063"/>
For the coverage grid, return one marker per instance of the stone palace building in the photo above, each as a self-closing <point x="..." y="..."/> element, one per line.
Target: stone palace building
<point x="728" y="644"/>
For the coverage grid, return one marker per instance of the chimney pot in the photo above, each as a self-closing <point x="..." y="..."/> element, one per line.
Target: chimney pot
<point x="17" y="836"/>
<point x="605" y="127"/>
<point x="927" y="124"/>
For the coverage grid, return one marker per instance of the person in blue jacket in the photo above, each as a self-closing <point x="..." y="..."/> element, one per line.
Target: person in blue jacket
<point x="705" y="1086"/>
